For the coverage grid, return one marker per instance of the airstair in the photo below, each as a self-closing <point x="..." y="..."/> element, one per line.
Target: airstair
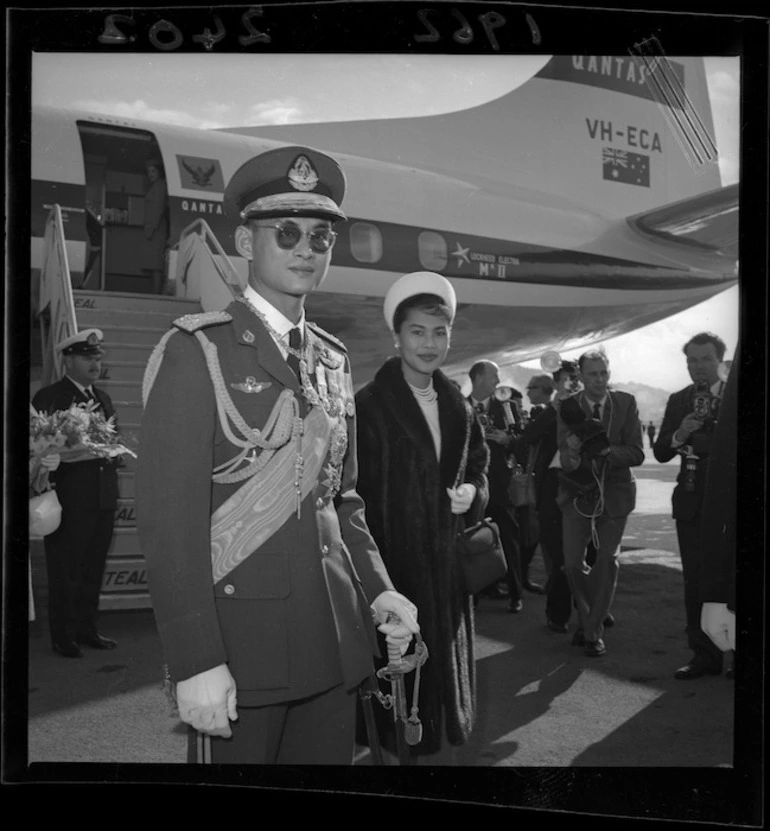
<point x="132" y="324"/>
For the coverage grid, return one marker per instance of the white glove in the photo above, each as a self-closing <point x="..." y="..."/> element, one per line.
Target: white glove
<point x="207" y="701"/>
<point x="461" y="498"/>
<point x="718" y="622"/>
<point x="398" y="632"/>
<point x="50" y="462"/>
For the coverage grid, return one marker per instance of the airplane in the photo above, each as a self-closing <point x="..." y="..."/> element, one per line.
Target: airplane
<point x="582" y="204"/>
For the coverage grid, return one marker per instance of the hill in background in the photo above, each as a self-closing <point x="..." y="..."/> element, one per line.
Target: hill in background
<point x="650" y="400"/>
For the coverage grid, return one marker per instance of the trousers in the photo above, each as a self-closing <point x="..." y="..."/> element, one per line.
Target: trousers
<point x="558" y="604"/>
<point x="688" y="535"/>
<point x="505" y="517"/>
<point x="319" y="730"/>
<point x="75" y="555"/>
<point x="593" y="588"/>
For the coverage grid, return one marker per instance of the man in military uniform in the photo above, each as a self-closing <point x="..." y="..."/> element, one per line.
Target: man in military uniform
<point x="263" y="574"/>
<point x="87" y="489"/>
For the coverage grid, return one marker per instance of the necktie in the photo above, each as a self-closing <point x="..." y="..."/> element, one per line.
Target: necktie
<point x="597" y="412"/>
<point x="295" y="342"/>
<point x="480" y="408"/>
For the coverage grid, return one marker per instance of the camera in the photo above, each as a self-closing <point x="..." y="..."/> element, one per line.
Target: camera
<point x="590" y="431"/>
<point x="705" y="405"/>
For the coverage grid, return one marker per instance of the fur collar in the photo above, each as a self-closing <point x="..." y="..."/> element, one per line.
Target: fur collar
<point x="392" y="391"/>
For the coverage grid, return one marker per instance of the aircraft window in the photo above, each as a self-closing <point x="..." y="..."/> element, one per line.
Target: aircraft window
<point x="366" y="242"/>
<point x="432" y="249"/>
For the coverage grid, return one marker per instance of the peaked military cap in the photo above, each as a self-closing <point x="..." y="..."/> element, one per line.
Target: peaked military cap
<point x="87" y="342"/>
<point x="287" y="181"/>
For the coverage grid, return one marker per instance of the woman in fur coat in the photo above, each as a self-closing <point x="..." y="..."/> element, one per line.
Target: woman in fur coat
<point x="412" y="423"/>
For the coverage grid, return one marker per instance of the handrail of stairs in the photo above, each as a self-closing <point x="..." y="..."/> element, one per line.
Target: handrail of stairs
<point x="56" y="306"/>
<point x="203" y="269"/>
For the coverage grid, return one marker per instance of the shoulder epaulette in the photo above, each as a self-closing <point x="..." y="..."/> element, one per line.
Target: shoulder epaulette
<point x="191" y="323"/>
<point x="324" y="334"/>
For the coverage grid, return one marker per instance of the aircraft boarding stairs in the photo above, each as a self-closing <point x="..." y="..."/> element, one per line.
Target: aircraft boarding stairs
<point x="132" y="324"/>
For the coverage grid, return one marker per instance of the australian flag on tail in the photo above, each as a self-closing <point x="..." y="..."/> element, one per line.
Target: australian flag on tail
<point x="626" y="167"/>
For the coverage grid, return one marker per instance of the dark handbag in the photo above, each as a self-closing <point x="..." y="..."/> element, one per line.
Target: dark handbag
<point x="478" y="548"/>
<point x="480" y="554"/>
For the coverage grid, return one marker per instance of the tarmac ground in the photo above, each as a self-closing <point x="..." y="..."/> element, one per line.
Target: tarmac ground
<point x="541" y="703"/>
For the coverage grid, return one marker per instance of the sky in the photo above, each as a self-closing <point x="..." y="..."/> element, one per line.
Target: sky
<point x="210" y="91"/>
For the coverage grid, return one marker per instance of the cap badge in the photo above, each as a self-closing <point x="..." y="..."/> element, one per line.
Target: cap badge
<point x="301" y="174"/>
<point x="93" y="339"/>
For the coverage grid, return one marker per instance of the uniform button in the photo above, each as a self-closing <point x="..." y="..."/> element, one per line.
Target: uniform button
<point x="319" y="503"/>
<point x="229" y="589"/>
<point x="324" y="549"/>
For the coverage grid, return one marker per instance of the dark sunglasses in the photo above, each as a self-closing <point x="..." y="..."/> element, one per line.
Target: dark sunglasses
<point x="288" y="235"/>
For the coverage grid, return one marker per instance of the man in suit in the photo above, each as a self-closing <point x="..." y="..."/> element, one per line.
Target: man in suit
<point x="540" y="434"/>
<point x="87" y="489"/>
<point x="263" y="574"/>
<point x="498" y="420"/>
<point x="718" y="537"/>
<point x="688" y="430"/>
<point x="599" y="443"/>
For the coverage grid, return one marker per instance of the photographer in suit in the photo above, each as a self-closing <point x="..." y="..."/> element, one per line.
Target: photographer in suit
<point x="499" y="423"/>
<point x="600" y="439"/>
<point x="687" y="429"/>
<point x="540" y="433"/>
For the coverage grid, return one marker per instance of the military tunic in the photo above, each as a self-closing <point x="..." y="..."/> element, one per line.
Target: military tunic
<point x="292" y="619"/>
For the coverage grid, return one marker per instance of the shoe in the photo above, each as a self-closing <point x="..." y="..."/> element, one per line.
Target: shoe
<point x="533" y="588"/>
<point x="515" y="607"/>
<point x="67" y="649"/>
<point x="578" y="639"/>
<point x="609" y="620"/>
<point x="694" y="670"/>
<point x="561" y="628"/>
<point x="96" y="641"/>
<point x="595" y="648"/>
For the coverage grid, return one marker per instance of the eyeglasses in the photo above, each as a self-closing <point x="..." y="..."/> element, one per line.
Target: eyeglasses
<point x="288" y="235"/>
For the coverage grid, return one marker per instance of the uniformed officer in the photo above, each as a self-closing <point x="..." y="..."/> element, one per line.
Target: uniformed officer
<point x="263" y="575"/>
<point x="87" y="489"/>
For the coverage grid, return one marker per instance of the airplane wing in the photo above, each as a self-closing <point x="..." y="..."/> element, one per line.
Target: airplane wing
<point x="708" y="221"/>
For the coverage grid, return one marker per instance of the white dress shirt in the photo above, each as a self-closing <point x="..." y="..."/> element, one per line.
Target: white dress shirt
<point x="276" y="319"/>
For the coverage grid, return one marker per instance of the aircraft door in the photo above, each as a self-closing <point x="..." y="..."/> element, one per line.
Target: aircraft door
<point x="126" y="207"/>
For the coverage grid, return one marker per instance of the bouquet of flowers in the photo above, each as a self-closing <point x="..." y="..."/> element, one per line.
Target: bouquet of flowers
<point x="79" y="433"/>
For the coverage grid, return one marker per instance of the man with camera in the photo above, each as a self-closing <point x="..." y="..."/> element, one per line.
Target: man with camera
<point x="600" y="438"/>
<point x="498" y="420"/>
<point x="687" y="429"/>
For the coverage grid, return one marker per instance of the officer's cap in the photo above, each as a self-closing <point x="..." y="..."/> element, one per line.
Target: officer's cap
<point x="287" y="181"/>
<point x="87" y="342"/>
<point x="418" y="282"/>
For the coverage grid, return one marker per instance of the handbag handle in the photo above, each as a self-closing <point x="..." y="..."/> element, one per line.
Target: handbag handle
<point x="464" y="459"/>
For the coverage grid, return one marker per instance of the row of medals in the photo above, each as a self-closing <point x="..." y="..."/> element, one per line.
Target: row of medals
<point x="313" y="358"/>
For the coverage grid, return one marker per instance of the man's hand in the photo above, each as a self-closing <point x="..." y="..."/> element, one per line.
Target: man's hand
<point x="461" y="498"/>
<point x="498" y="436"/>
<point x="50" y="462"/>
<point x="396" y="632"/>
<point x="718" y="622"/>
<point x="207" y="701"/>
<point x="688" y="426"/>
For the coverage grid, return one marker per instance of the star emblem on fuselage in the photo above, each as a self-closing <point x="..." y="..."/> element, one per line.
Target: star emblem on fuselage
<point x="461" y="254"/>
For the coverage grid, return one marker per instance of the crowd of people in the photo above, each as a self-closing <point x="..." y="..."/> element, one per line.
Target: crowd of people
<point x="299" y="535"/>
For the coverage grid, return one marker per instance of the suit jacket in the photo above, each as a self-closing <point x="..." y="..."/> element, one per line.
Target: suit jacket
<point x="718" y="536"/>
<point x="87" y="485"/>
<point x="686" y="504"/>
<point x="540" y="434"/>
<point x="500" y="456"/>
<point x="293" y="618"/>
<point x="624" y="430"/>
